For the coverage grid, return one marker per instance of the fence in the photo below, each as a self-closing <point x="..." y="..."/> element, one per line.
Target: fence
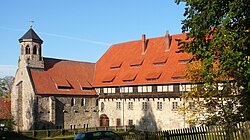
<point x="240" y="132"/>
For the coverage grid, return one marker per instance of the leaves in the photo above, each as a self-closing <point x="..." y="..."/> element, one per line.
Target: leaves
<point x="219" y="39"/>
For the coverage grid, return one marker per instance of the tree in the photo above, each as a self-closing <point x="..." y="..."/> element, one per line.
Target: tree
<point x="218" y="36"/>
<point x="5" y="87"/>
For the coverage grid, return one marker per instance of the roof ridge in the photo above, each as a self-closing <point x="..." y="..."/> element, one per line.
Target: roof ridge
<point x="68" y="60"/>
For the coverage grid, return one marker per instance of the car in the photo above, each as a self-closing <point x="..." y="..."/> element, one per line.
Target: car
<point x="98" y="135"/>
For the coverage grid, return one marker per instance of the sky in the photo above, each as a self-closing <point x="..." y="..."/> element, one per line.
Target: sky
<point x="82" y="30"/>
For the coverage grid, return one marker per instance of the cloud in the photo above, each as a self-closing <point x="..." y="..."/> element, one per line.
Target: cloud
<point x="61" y="36"/>
<point x="7" y="70"/>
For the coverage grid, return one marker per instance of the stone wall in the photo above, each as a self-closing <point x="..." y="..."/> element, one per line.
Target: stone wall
<point x="67" y="112"/>
<point x="22" y="100"/>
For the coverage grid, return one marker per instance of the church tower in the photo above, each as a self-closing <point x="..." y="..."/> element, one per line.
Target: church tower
<point x="31" y="50"/>
<point x="23" y="97"/>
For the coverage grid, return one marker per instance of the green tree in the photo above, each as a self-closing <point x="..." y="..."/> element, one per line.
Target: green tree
<point x="5" y="87"/>
<point x="218" y="36"/>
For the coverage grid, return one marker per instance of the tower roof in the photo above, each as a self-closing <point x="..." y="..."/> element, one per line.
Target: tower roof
<point x="31" y="34"/>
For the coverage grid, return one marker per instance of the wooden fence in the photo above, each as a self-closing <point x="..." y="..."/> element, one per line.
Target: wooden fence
<point x="240" y="132"/>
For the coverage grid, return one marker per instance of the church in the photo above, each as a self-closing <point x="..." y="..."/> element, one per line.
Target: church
<point x="136" y="83"/>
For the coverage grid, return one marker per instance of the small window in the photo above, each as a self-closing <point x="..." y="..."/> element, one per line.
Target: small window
<point x="118" y="122"/>
<point x="72" y="102"/>
<point x="83" y="102"/>
<point x="144" y="88"/>
<point x="118" y="105"/>
<point x="183" y="61"/>
<point x="130" y="122"/>
<point x="102" y="106"/>
<point x="35" y="50"/>
<point x="159" y="105"/>
<point x="126" y="89"/>
<point x="97" y="90"/>
<point x="174" y="105"/>
<point x="130" y="105"/>
<point x="144" y="106"/>
<point x="191" y="106"/>
<point x="27" y="49"/>
<point x="165" y="88"/>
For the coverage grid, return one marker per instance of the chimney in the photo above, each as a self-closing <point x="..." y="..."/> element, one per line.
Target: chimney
<point x="168" y="41"/>
<point x="144" y="43"/>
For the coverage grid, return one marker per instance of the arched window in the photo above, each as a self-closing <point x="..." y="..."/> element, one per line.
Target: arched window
<point x="102" y="106"/>
<point x="27" y="49"/>
<point x="72" y="102"/>
<point x="35" y="50"/>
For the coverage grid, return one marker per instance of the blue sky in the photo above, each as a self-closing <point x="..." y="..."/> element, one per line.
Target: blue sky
<point x="82" y="30"/>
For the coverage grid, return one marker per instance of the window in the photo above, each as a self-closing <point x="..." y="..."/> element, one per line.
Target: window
<point x="97" y="90"/>
<point x="118" y="105"/>
<point x="144" y="105"/>
<point x="130" y="105"/>
<point x="118" y="122"/>
<point x="130" y="122"/>
<point x="72" y="126"/>
<point x="174" y="105"/>
<point x="186" y="87"/>
<point x="83" y="102"/>
<point x="220" y="86"/>
<point x="165" y="88"/>
<point x="108" y="90"/>
<point x="72" y="102"/>
<point x="27" y="49"/>
<point x="191" y="106"/>
<point x="183" y="61"/>
<point x="144" y="88"/>
<point x="126" y="89"/>
<point x="159" y="105"/>
<point x="35" y="50"/>
<point x="102" y="106"/>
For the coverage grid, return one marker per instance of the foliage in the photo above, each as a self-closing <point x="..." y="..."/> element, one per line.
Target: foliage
<point x="218" y="36"/>
<point x="5" y="87"/>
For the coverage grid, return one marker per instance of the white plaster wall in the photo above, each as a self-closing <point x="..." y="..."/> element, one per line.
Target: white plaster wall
<point x="165" y="119"/>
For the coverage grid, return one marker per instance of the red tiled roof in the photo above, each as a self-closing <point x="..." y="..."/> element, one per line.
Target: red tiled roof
<point x="129" y="52"/>
<point x="64" y="73"/>
<point x="5" y="109"/>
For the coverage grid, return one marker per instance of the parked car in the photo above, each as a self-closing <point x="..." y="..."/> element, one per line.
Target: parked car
<point x="98" y="135"/>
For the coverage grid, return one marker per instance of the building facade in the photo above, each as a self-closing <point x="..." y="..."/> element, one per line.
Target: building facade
<point x="136" y="83"/>
<point x="140" y="83"/>
<point x="51" y="93"/>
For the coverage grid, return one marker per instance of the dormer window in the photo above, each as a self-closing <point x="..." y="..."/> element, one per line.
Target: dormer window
<point x="159" y="61"/>
<point x="108" y="79"/>
<point x="129" y="77"/>
<point x="183" y="61"/>
<point x="62" y="84"/>
<point x="153" y="76"/>
<point x="116" y="65"/>
<point x="136" y="63"/>
<point x="87" y="89"/>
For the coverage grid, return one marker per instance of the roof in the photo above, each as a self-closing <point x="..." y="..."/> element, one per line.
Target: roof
<point x="5" y="109"/>
<point x="31" y="34"/>
<point x="64" y="77"/>
<point x="157" y="65"/>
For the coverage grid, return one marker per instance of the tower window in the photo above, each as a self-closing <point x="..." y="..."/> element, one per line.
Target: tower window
<point x="27" y="49"/>
<point x="35" y="50"/>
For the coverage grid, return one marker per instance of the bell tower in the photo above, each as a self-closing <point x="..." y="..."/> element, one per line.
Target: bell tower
<point x="31" y="50"/>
